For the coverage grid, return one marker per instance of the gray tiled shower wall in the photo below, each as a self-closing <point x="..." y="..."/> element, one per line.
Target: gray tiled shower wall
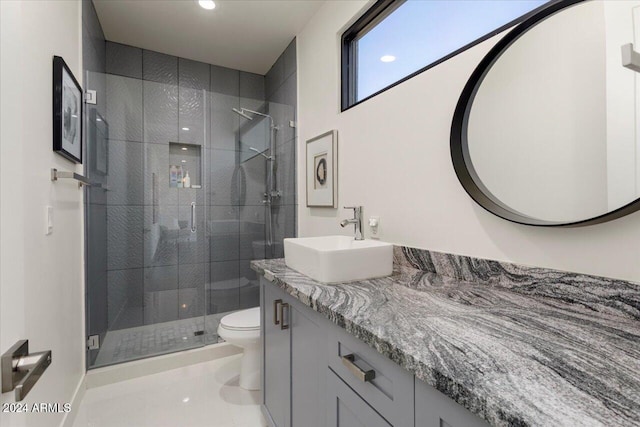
<point x="157" y="270"/>
<point x="281" y="93"/>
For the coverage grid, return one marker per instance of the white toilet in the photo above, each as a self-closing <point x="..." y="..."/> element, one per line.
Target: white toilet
<point x="242" y="328"/>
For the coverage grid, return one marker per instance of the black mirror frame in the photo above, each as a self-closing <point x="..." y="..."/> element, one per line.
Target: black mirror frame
<point x="459" y="144"/>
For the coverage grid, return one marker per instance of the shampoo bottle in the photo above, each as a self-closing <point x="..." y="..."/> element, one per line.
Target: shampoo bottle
<point x="173" y="176"/>
<point x="180" y="177"/>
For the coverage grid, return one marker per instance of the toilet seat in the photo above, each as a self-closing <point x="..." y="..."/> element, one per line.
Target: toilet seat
<point x="244" y="320"/>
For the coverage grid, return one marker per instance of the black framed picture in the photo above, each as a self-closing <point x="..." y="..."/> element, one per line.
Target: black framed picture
<point x="67" y="112"/>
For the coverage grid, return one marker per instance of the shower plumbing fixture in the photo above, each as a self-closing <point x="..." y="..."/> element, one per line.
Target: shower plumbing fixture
<point x="272" y="192"/>
<point x="242" y="113"/>
<point x="261" y="153"/>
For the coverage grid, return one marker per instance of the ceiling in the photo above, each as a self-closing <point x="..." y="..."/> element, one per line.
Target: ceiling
<point x="247" y="35"/>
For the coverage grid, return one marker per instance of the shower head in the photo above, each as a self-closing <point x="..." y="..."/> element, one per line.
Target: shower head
<point x="242" y="113"/>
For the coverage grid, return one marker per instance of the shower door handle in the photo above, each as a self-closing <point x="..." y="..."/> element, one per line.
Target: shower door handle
<point x="193" y="217"/>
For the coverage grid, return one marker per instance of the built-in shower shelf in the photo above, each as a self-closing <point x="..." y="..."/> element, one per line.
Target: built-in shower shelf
<point x="183" y="159"/>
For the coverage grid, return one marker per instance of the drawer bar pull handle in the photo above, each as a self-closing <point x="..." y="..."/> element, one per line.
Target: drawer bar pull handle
<point x="364" y="376"/>
<point x="282" y="307"/>
<point x="275" y="311"/>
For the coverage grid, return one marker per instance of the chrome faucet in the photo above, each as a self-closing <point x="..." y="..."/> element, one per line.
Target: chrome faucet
<point x="356" y="221"/>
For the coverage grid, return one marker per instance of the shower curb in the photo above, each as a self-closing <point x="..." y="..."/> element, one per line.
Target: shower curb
<point x="153" y="365"/>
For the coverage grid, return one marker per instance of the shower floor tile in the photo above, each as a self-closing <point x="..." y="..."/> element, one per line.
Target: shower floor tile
<point x="202" y="395"/>
<point x="124" y="345"/>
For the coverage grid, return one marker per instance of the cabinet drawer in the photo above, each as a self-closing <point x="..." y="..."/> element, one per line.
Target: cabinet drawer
<point x="347" y="409"/>
<point x="434" y="409"/>
<point x="390" y="392"/>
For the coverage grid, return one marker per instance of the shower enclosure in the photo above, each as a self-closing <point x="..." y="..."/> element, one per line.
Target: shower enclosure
<point x="167" y="255"/>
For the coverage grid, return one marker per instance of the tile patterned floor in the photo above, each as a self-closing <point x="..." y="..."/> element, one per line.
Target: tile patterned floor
<point x="202" y="395"/>
<point x="135" y="343"/>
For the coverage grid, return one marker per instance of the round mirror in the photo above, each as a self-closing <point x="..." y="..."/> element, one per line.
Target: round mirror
<point x="547" y="130"/>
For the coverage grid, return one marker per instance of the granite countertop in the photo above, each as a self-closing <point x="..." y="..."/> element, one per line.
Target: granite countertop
<point x="511" y="358"/>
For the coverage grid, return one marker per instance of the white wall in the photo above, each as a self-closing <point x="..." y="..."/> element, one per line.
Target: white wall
<point x="41" y="287"/>
<point x="394" y="160"/>
<point x="622" y="21"/>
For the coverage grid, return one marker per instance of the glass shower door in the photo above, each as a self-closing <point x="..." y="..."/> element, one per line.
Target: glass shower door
<point x="147" y="245"/>
<point x="175" y="246"/>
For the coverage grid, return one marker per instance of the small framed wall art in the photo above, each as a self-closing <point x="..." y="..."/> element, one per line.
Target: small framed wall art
<point x="67" y="112"/>
<point x="322" y="170"/>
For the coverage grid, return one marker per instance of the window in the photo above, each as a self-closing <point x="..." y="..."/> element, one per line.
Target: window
<point x="397" y="39"/>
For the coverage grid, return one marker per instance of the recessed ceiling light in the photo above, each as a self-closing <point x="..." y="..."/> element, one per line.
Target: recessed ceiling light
<point x="184" y="161"/>
<point x="185" y="128"/>
<point x="387" y="58"/>
<point x="207" y="4"/>
<point x="184" y="148"/>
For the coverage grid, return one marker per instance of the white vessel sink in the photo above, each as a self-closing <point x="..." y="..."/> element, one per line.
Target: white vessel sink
<point x="334" y="259"/>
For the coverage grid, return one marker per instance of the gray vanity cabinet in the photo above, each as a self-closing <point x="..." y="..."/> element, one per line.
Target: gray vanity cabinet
<point x="294" y="361"/>
<point x="434" y="409"/>
<point x="315" y="374"/>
